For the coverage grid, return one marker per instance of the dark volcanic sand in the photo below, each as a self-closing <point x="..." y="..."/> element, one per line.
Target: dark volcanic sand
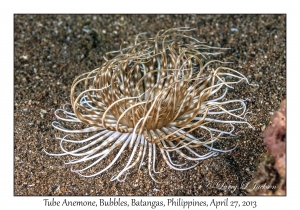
<point x="51" y="50"/>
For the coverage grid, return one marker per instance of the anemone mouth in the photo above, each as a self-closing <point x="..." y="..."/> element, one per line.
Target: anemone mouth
<point x="154" y="93"/>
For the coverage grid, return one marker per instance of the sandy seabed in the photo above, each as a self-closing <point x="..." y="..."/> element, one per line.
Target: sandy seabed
<point x="51" y="50"/>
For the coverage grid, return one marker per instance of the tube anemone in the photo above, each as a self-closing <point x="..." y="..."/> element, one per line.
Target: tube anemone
<point x="147" y="99"/>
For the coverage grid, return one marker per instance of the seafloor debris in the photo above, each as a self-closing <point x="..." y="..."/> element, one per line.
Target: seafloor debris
<point x="270" y="178"/>
<point x="275" y="139"/>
